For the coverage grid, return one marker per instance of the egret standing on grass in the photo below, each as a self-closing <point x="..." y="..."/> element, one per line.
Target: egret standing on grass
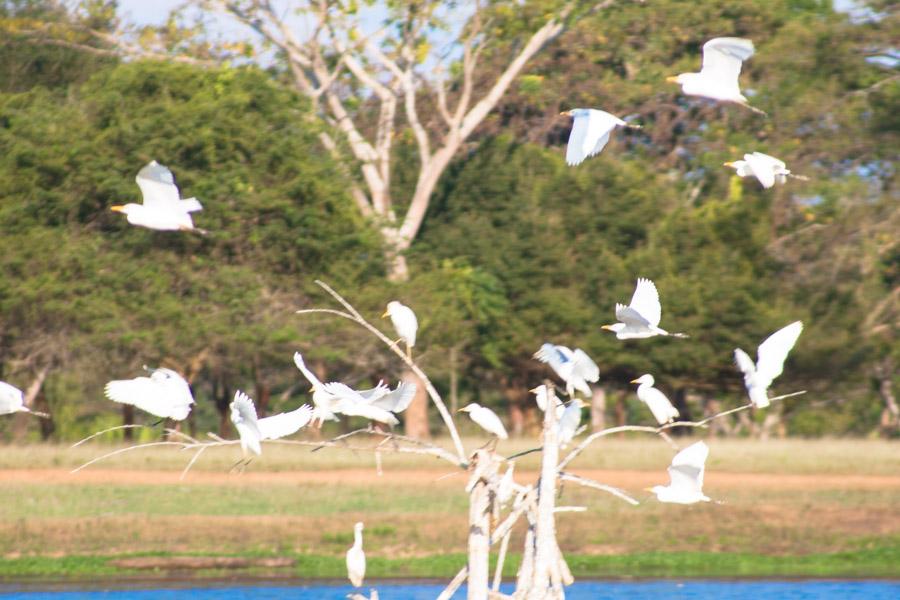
<point x="768" y="170"/>
<point x="12" y="400"/>
<point x="163" y="208"/>
<point x="686" y="477"/>
<point x="662" y="409"/>
<point x="718" y="76"/>
<point x="640" y="319"/>
<point x="486" y="418"/>
<point x="356" y="558"/>
<point x="770" y="359"/>
<point x="575" y="368"/>
<point x="405" y="323"/>
<point x="164" y="394"/>
<point x="591" y="129"/>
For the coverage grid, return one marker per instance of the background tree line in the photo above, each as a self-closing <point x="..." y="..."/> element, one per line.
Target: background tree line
<point x="515" y="249"/>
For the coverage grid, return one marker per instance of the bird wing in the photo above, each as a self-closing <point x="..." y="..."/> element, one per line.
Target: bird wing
<point x="157" y="186"/>
<point x="776" y="163"/>
<point x="310" y="376"/>
<point x="243" y="416"/>
<point x="144" y="393"/>
<point x="555" y="356"/>
<point x="569" y="421"/>
<point x="11" y="398"/>
<point x="399" y="399"/>
<point x="576" y="151"/>
<point x="190" y="205"/>
<point x="375" y="393"/>
<point x="645" y="302"/>
<point x="773" y="352"/>
<point x="284" y="424"/>
<point x="344" y="392"/>
<point x="584" y="367"/>
<point x="723" y="58"/>
<point x="688" y="467"/>
<point x="744" y="363"/>
<point x="762" y="168"/>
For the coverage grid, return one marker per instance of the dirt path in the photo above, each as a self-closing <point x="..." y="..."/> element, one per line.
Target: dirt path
<point x="622" y="478"/>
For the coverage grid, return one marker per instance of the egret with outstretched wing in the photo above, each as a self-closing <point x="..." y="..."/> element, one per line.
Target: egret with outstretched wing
<point x="768" y="170"/>
<point x="574" y="367"/>
<point x="591" y="129"/>
<point x="163" y="208"/>
<point x="770" y="359"/>
<point x="640" y="319"/>
<point x="718" y="77"/>
<point x="12" y="400"/>
<point x="686" y="477"/>
<point x="164" y="394"/>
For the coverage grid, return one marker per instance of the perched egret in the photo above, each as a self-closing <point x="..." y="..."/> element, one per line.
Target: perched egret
<point x="353" y="404"/>
<point x="568" y="423"/>
<point x="405" y="323"/>
<point x="506" y="487"/>
<point x="718" y="76"/>
<point x="323" y="400"/>
<point x="768" y="170"/>
<point x="686" y="477"/>
<point x="591" y="129"/>
<point x="575" y="368"/>
<point x="540" y="396"/>
<point x="243" y="416"/>
<point x="356" y="558"/>
<point x="163" y="208"/>
<point x="770" y="359"/>
<point x="662" y="409"/>
<point x="640" y="319"/>
<point x="165" y="394"/>
<point x="486" y="418"/>
<point x="12" y="400"/>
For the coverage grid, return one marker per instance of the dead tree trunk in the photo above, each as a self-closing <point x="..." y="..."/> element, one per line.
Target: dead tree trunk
<point x="484" y="470"/>
<point x="416" y="416"/>
<point x="598" y="409"/>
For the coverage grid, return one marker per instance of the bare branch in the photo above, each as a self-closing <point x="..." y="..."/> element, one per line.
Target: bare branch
<point x="586" y="482"/>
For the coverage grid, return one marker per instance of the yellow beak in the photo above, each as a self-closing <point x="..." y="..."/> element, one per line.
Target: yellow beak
<point x="386" y="314"/>
<point x="608" y="327"/>
<point x="566" y="113"/>
<point x="648" y="489"/>
<point x="672" y="79"/>
<point x="634" y="381"/>
<point x="117" y="208"/>
<point x="728" y="164"/>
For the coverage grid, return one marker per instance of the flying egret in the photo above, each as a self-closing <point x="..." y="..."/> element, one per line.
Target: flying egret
<point x="591" y="129"/>
<point x="163" y="208"/>
<point x="284" y="424"/>
<point x="395" y="401"/>
<point x="243" y="416"/>
<point x="768" y="170"/>
<point x="540" y="396"/>
<point x="568" y="423"/>
<point x="12" y="400"/>
<point x="165" y="394"/>
<point x="405" y="323"/>
<point x="718" y="76"/>
<point x="686" y="477"/>
<point x="486" y="418"/>
<point x="662" y="409"/>
<point x="353" y="404"/>
<point x="356" y="558"/>
<point x="770" y="359"/>
<point x="323" y="400"/>
<point x="575" y="368"/>
<point x="640" y="319"/>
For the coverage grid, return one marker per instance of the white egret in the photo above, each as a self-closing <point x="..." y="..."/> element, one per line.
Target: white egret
<point x="686" y="477"/>
<point x="284" y="424"/>
<point x="395" y="401"/>
<point x="591" y="129"/>
<point x="575" y="368"/>
<point x="540" y="396"/>
<point x="353" y="404"/>
<point x="640" y="319"/>
<point x="568" y="423"/>
<point x="243" y="416"/>
<point x="165" y="394"/>
<point x="506" y="487"/>
<point x="405" y="323"/>
<point x="662" y="409"/>
<point x="12" y="400"/>
<point x="770" y="359"/>
<point x="718" y="76"/>
<point x="323" y="400"/>
<point x="163" y="208"/>
<point x="356" y="558"/>
<point x="486" y="419"/>
<point x="768" y="170"/>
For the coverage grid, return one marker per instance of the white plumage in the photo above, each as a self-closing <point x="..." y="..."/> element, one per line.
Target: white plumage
<point x="770" y="359"/>
<point x="640" y="319"/>
<point x="356" y="558"/>
<point x="686" y="476"/>
<point x="353" y="404"/>
<point x="163" y="209"/>
<point x="486" y="419"/>
<point x="284" y="424"/>
<point x="768" y="170"/>
<point x="540" y="396"/>
<point x="591" y="129"/>
<point x="405" y="323"/>
<point x="165" y="394"/>
<point x="243" y="416"/>
<point x="12" y="400"/>
<point x="662" y="409"/>
<point x="324" y="401"/>
<point x="569" y="422"/>
<point x="718" y="77"/>
<point x="575" y="368"/>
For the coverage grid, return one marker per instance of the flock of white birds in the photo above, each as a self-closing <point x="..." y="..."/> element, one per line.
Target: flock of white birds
<point x="167" y="395"/>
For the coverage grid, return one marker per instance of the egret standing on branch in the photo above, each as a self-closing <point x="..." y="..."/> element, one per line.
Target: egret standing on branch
<point x="405" y="323"/>
<point x="12" y="400"/>
<point x="356" y="558"/>
<point x="768" y="170"/>
<point x="718" y="76"/>
<point x="575" y="368"/>
<point x="591" y="129"/>
<point x="686" y="477"/>
<point x="640" y="319"/>
<point x="770" y="359"/>
<point x="569" y="422"/>
<point x="164" y="394"/>
<point x="662" y="409"/>
<point x="540" y="396"/>
<point x="486" y="418"/>
<point x="163" y="209"/>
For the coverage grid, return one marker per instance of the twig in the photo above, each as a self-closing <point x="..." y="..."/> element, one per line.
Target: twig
<point x="191" y="463"/>
<point x="99" y="433"/>
<point x="122" y="451"/>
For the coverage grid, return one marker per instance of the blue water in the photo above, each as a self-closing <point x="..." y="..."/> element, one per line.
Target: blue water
<point x="593" y="590"/>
